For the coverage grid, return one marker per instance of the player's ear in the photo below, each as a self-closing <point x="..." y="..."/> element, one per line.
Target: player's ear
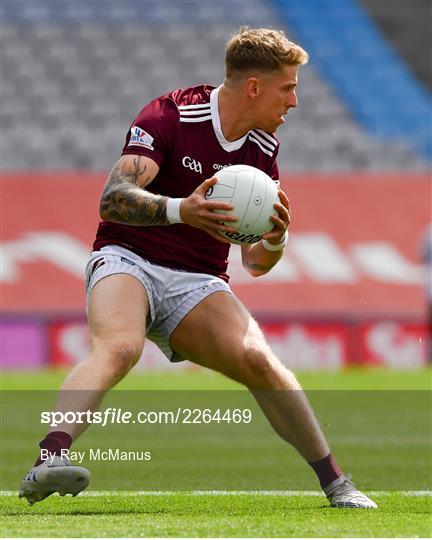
<point x="252" y="85"/>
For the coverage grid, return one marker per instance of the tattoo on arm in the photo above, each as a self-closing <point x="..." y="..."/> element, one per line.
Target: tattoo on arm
<point x="125" y="201"/>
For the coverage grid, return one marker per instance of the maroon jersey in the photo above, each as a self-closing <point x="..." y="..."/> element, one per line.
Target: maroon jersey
<point x="181" y="132"/>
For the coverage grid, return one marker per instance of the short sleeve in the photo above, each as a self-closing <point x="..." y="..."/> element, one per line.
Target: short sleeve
<point x="152" y="133"/>
<point x="274" y="172"/>
<point x="273" y="169"/>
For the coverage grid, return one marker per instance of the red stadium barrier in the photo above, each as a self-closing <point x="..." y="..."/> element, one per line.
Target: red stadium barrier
<point x="392" y="344"/>
<point x="300" y="345"/>
<point x="353" y="255"/>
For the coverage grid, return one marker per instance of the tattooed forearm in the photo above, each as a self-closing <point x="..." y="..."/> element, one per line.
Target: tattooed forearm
<point x="124" y="200"/>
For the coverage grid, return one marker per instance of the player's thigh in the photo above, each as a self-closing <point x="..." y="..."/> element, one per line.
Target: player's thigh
<point x="117" y="313"/>
<point x="220" y="334"/>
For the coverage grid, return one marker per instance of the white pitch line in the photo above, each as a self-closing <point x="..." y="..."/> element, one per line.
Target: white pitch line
<point x="225" y="493"/>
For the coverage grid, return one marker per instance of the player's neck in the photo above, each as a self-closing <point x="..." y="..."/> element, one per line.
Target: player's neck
<point x="233" y="115"/>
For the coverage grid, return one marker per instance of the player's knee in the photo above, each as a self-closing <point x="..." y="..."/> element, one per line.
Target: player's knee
<point x="121" y="356"/>
<point x="261" y="367"/>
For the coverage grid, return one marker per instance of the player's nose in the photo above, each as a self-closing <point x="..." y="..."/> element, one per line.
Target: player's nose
<point x="293" y="101"/>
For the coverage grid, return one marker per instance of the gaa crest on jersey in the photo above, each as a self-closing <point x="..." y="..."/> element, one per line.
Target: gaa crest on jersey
<point x="192" y="164"/>
<point x="139" y="137"/>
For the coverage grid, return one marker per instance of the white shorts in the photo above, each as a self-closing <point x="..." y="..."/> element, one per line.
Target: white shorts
<point x="172" y="294"/>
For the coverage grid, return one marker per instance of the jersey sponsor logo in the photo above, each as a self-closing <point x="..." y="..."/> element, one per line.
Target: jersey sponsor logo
<point x="192" y="164"/>
<point x="218" y="167"/>
<point x="139" y="137"/>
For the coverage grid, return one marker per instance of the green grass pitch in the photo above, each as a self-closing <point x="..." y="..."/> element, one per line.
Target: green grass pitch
<point x="281" y="512"/>
<point x="183" y="515"/>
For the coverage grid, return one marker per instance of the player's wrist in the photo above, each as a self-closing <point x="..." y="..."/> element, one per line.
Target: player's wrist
<point x="173" y="210"/>
<point x="276" y="247"/>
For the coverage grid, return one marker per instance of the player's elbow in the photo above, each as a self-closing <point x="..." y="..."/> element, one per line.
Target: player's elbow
<point x="256" y="270"/>
<point x="107" y="207"/>
<point x="109" y="214"/>
<point x="256" y="274"/>
<point x="103" y="211"/>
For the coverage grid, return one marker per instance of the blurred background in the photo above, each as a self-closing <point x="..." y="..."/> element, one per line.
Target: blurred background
<point x="355" y="161"/>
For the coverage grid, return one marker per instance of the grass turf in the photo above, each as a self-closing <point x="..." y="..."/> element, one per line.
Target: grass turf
<point x="182" y="515"/>
<point x="202" y="379"/>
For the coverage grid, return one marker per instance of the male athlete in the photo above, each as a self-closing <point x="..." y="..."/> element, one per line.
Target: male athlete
<point x="158" y="268"/>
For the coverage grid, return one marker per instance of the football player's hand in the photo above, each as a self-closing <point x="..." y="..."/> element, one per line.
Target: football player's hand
<point x="281" y="221"/>
<point x="197" y="211"/>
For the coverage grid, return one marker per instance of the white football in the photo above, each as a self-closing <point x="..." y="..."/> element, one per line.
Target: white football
<point x="252" y="194"/>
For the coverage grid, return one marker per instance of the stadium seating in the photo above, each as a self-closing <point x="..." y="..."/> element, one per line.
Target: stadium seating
<point x="404" y="24"/>
<point x="364" y="70"/>
<point x="76" y="73"/>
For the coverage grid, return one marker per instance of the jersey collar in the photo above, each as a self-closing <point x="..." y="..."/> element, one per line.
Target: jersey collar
<point x="228" y="146"/>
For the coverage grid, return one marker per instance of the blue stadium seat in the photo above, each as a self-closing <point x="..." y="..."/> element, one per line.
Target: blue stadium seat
<point x="363" y="69"/>
<point x="79" y="67"/>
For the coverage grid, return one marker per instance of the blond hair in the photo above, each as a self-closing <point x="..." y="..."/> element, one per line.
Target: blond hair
<point x="262" y="50"/>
